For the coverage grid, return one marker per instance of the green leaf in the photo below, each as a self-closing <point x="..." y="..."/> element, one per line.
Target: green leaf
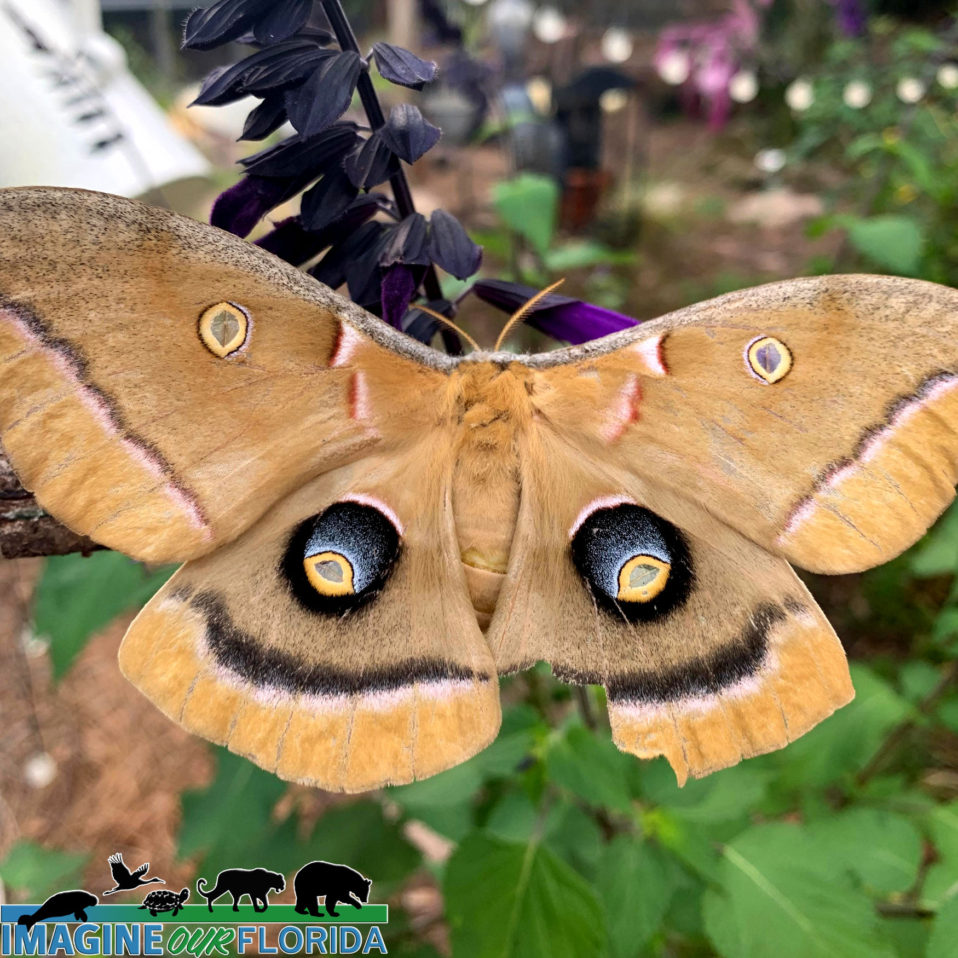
<point x="528" y="205"/>
<point x="77" y="596"/>
<point x="636" y="881"/>
<point x="506" y="900"/>
<point x="590" y="766"/>
<point x="230" y="824"/>
<point x="944" y="931"/>
<point x="937" y="553"/>
<point x="788" y="902"/>
<point x="881" y="848"/>
<point x="893" y="242"/>
<point x="842" y="744"/>
<point x="584" y="254"/>
<point x="37" y="872"/>
<point x="359" y="835"/>
<point x="574" y="836"/>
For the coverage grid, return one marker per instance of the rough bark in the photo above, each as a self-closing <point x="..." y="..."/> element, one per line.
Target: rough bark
<point x="25" y="529"/>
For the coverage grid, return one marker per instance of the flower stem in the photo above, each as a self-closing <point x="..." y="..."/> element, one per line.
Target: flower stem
<point x="374" y="112"/>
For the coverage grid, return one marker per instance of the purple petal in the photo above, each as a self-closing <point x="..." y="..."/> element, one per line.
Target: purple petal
<point x="399" y="285"/>
<point x="561" y="317"/>
<point x="326" y="95"/>
<point x="408" y="133"/>
<point x="241" y="207"/>
<point x="450" y="246"/>
<point x="400" y="66"/>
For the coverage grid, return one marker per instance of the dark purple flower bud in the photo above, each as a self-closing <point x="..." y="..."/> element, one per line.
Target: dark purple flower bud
<point x="450" y="246"/>
<point x="298" y="154"/>
<point x="406" y="243"/>
<point x="332" y="269"/>
<point x="561" y="317"/>
<point x="219" y="87"/>
<point x="221" y="22"/>
<point x="281" y="20"/>
<point x="241" y="207"/>
<point x="326" y="94"/>
<point x="296" y="61"/>
<point x="274" y="68"/>
<point x="399" y="285"/>
<point x="423" y="327"/>
<point x="443" y="29"/>
<point x="267" y="118"/>
<point x="325" y="202"/>
<point x="370" y="163"/>
<point x="295" y="244"/>
<point x="402" y="67"/>
<point x="408" y="133"/>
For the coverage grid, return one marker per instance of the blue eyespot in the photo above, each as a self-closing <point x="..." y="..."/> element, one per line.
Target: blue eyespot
<point x="340" y="559"/>
<point x="635" y="563"/>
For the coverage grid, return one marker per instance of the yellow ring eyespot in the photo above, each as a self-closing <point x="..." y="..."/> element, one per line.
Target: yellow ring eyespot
<point x="329" y="573"/>
<point x="642" y="578"/>
<point x="223" y="329"/>
<point x="769" y="359"/>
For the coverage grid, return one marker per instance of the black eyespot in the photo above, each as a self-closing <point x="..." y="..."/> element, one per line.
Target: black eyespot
<point x="634" y="563"/>
<point x="337" y="561"/>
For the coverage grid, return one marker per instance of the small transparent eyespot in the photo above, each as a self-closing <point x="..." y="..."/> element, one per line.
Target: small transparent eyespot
<point x="329" y="573"/>
<point x="340" y="559"/>
<point x="768" y="358"/>
<point x="635" y="563"/>
<point x="643" y="578"/>
<point x="223" y="328"/>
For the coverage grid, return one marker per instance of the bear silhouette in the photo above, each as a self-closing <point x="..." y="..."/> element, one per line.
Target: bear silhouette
<point x="60" y="905"/>
<point x="255" y="882"/>
<point x="333" y="883"/>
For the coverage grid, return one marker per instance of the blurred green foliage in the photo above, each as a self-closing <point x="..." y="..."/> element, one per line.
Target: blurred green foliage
<point x="899" y="158"/>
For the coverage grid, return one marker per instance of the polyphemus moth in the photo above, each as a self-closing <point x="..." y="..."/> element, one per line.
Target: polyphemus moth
<point x="373" y="530"/>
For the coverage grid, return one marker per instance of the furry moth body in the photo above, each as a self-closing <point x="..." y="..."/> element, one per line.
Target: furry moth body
<point x="372" y="531"/>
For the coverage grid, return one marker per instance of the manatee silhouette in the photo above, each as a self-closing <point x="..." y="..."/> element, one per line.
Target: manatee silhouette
<point x="60" y="905"/>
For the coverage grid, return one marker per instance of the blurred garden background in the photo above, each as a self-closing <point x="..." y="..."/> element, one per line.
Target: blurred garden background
<point x="652" y="153"/>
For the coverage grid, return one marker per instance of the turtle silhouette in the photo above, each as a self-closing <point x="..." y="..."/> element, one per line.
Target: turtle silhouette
<point x="163" y="900"/>
<point x="60" y="905"/>
<point x="125" y="879"/>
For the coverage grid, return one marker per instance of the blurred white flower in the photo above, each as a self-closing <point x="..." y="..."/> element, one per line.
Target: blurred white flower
<point x="540" y="92"/>
<point x="33" y="645"/>
<point x="616" y="45"/>
<point x="549" y="25"/>
<point x="743" y="87"/>
<point x="613" y="100"/>
<point x="800" y="95"/>
<point x="857" y="94"/>
<point x="39" y="770"/>
<point x="948" y="76"/>
<point x="910" y="89"/>
<point x="771" y="160"/>
<point x="674" y="67"/>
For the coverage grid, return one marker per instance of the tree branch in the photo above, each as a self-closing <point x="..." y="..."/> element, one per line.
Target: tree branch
<point x="25" y="529"/>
